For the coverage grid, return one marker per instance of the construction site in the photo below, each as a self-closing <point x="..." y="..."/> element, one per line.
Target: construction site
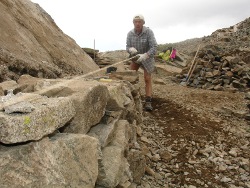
<point x="74" y="117"/>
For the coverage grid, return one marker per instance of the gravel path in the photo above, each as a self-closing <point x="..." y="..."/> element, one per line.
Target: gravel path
<point x="195" y="137"/>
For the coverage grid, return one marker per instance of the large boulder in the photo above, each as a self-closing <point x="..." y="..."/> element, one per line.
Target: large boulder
<point x="32" y="43"/>
<point x="64" y="160"/>
<point x="89" y="97"/>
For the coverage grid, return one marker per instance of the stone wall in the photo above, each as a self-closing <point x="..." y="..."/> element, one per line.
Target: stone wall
<point x="78" y="132"/>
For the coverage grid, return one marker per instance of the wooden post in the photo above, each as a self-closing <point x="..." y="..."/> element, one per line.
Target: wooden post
<point x="94" y="50"/>
<point x="190" y="72"/>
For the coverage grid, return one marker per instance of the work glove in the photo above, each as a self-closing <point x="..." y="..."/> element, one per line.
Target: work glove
<point x="142" y="57"/>
<point x="132" y="51"/>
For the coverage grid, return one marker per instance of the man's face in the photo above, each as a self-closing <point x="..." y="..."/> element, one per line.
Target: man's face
<point x="138" y="24"/>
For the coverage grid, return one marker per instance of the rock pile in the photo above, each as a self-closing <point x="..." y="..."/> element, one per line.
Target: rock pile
<point x="223" y="63"/>
<point x="217" y="71"/>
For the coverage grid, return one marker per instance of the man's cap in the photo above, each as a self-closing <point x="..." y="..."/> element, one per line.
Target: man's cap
<point x="139" y="17"/>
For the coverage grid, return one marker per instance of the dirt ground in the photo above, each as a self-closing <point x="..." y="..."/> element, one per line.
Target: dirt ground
<point x="195" y="137"/>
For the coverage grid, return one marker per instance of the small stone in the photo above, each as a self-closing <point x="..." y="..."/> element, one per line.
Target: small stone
<point x="226" y="180"/>
<point x="192" y="162"/>
<point x="139" y="131"/>
<point x="191" y="186"/>
<point x="149" y="171"/>
<point x="233" y="152"/>
<point x="145" y="139"/>
<point x="159" y="81"/>
<point x="158" y="176"/>
<point x="165" y="155"/>
<point x="222" y="168"/>
<point x="247" y="184"/>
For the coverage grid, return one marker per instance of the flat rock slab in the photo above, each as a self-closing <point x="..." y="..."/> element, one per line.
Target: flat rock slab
<point x="131" y="76"/>
<point x="8" y="101"/>
<point x="47" y="115"/>
<point x="7" y="85"/>
<point x="169" y="68"/>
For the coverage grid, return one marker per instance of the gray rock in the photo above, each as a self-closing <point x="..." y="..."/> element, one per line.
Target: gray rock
<point x="90" y="100"/>
<point x="1" y="91"/>
<point x="121" y="100"/>
<point x="65" y="160"/>
<point x="49" y="115"/>
<point x="22" y="107"/>
<point x="8" y="85"/>
<point x="103" y="132"/>
<point x="137" y="162"/>
<point x="113" y="167"/>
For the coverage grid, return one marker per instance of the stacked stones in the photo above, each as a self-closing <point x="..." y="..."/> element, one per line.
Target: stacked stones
<point x="221" y="72"/>
<point x="223" y="63"/>
<point x="77" y="132"/>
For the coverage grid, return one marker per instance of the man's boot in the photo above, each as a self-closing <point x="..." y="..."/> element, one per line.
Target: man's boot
<point x="148" y="104"/>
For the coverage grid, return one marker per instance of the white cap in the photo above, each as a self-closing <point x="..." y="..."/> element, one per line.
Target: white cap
<point x="139" y="17"/>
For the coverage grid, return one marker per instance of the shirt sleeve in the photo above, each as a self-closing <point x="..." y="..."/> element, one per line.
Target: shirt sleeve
<point x="128" y="42"/>
<point x="152" y="44"/>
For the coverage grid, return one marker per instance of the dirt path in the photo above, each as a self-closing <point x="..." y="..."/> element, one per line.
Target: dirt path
<point x="195" y="137"/>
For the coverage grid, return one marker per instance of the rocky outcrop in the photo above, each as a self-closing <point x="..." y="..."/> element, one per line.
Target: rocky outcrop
<point x="79" y="132"/>
<point x="31" y="43"/>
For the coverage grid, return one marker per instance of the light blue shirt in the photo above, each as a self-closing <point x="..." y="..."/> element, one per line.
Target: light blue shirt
<point x="145" y="42"/>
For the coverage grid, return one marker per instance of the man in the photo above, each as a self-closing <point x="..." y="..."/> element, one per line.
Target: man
<point x="141" y="40"/>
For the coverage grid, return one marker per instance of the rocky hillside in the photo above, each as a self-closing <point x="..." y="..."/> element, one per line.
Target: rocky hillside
<point x="31" y="43"/>
<point x="220" y="61"/>
<point x="187" y="46"/>
<point x="229" y="39"/>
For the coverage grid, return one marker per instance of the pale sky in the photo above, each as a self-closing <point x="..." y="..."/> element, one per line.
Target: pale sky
<point x="107" y="22"/>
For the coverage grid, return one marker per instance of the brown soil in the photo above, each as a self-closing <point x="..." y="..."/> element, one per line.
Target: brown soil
<point x="192" y="120"/>
<point x="182" y="126"/>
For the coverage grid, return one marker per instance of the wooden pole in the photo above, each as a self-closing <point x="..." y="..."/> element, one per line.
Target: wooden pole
<point x="94" y="50"/>
<point x="190" y="72"/>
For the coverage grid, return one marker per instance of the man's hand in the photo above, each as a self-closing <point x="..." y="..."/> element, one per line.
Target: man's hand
<point x="132" y="51"/>
<point x="142" y="57"/>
